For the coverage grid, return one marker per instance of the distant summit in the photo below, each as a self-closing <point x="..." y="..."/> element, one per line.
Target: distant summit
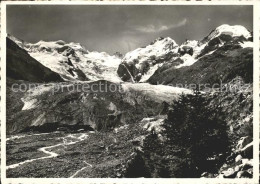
<point x="74" y="62"/>
<point x="71" y="60"/>
<point x="140" y="64"/>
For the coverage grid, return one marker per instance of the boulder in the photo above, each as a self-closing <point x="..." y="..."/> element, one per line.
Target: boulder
<point x="247" y="165"/>
<point x="250" y="171"/>
<point x="154" y="125"/>
<point x="243" y="142"/>
<point x="237" y="168"/>
<point x="244" y="174"/>
<point x="245" y="160"/>
<point x="238" y="158"/>
<point x="230" y="173"/>
<point x="205" y="174"/>
<point x="247" y="151"/>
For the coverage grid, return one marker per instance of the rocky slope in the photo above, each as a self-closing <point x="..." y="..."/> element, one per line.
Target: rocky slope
<point x="139" y="64"/>
<point x="221" y="66"/>
<point x="237" y="105"/>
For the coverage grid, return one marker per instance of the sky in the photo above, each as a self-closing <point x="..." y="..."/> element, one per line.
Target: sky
<point x="121" y="28"/>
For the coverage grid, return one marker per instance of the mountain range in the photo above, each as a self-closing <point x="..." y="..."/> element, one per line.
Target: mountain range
<point x="147" y="64"/>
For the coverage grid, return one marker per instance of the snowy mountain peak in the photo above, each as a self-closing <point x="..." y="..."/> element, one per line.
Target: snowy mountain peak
<point x="233" y="31"/>
<point x="147" y="59"/>
<point x="58" y="46"/>
<point x="71" y="60"/>
<point x="236" y="30"/>
<point x="164" y="41"/>
<point x="156" y="49"/>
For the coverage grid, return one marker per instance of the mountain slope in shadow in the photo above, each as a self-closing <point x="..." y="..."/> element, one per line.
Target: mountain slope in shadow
<point x="21" y="66"/>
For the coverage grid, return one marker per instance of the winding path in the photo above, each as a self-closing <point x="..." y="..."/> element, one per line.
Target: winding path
<point x="51" y="154"/>
<point x="76" y="173"/>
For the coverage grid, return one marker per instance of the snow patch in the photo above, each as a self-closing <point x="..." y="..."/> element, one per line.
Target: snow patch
<point x="158" y="49"/>
<point x="150" y="72"/>
<point x="234" y="31"/>
<point x="247" y="44"/>
<point x="29" y="104"/>
<point x="188" y="61"/>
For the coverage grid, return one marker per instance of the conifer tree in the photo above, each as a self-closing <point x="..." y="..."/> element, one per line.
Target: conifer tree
<point x="193" y="132"/>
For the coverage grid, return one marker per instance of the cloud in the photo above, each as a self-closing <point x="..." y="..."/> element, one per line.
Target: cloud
<point x="152" y="28"/>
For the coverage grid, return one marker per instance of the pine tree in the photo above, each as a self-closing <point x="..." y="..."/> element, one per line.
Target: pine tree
<point x="154" y="156"/>
<point x="193" y="132"/>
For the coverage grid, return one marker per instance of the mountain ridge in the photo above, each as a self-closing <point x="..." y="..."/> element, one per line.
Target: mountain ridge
<point x="144" y="63"/>
<point x="20" y="65"/>
<point x="74" y="62"/>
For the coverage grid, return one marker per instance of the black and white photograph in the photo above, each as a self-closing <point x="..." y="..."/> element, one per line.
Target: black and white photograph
<point x="129" y="91"/>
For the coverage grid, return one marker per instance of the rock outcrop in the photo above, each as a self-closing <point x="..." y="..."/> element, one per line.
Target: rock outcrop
<point x="139" y="65"/>
<point x="240" y="163"/>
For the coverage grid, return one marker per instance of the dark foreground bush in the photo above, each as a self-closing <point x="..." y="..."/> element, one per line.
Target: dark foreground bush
<point x="195" y="140"/>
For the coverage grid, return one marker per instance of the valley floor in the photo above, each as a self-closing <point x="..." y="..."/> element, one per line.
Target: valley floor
<point x="66" y="155"/>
